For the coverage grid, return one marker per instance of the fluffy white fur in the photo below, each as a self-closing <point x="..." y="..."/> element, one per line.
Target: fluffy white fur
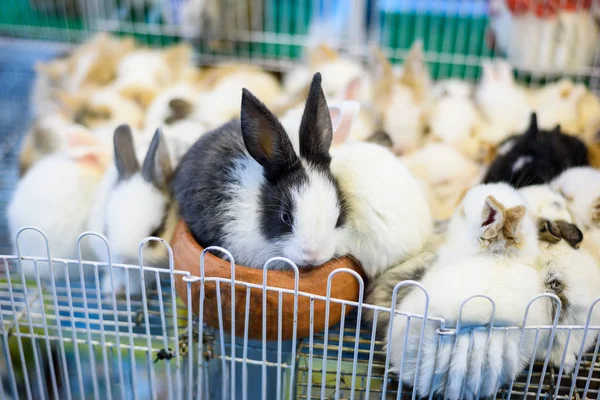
<point x="388" y="214"/>
<point x="558" y="104"/>
<point x="581" y="188"/>
<point x="466" y="268"/>
<point x="453" y="117"/>
<point x="126" y="213"/>
<point x="446" y="175"/>
<point x="314" y="235"/>
<point x="56" y="196"/>
<point x="403" y="120"/>
<point x="576" y="269"/>
<point x="502" y="102"/>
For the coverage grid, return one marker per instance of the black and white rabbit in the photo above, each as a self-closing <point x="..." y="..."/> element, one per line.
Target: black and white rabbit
<point x="536" y="157"/>
<point x="243" y="187"/>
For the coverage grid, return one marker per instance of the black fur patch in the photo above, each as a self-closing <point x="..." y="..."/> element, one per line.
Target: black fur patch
<point x="555" y="285"/>
<point x="548" y="154"/>
<point x="275" y="199"/>
<point x="316" y="132"/>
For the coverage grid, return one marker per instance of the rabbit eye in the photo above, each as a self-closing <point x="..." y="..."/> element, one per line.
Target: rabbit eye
<point x="286" y="218"/>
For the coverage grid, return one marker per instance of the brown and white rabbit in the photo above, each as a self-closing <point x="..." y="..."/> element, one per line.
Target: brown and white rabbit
<point x="491" y="240"/>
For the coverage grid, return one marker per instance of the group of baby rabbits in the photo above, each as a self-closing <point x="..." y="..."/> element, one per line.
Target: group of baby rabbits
<point x="334" y="161"/>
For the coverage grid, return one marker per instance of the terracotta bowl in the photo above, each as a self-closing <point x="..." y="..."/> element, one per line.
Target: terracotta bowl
<point x="344" y="286"/>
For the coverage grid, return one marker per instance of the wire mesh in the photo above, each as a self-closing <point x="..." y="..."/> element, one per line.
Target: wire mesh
<point x="62" y="338"/>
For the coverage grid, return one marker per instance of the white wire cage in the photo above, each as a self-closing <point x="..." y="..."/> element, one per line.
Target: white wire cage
<point x="63" y="338"/>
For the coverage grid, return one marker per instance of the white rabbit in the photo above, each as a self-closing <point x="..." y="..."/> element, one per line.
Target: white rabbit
<point x="143" y="72"/>
<point x="446" y="175"/>
<point x="56" y="196"/>
<point x="102" y="108"/>
<point x="134" y="203"/>
<point x="490" y="249"/>
<point x="388" y="216"/>
<point x="401" y="102"/>
<point x="558" y="104"/>
<point x="337" y="72"/>
<point x="581" y="187"/>
<point x="453" y="117"/>
<point x="568" y="272"/>
<point x="502" y="102"/>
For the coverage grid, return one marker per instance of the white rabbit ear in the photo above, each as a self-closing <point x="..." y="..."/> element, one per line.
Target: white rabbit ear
<point x="415" y="74"/>
<point x="353" y="89"/>
<point x="335" y="113"/>
<point x="348" y="112"/>
<point x="492" y="218"/>
<point x="87" y="150"/>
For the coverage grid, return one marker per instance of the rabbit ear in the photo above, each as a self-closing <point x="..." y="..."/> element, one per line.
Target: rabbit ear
<point x="348" y="112"/>
<point x="265" y="139"/>
<point x="353" y="89"/>
<point x="384" y="75"/>
<point x="84" y="147"/>
<point x="415" y="74"/>
<point x="532" y="130"/>
<point x="320" y="55"/>
<point x="492" y="218"/>
<point x="513" y="219"/>
<point x="125" y="159"/>
<point x="548" y="232"/>
<point x="570" y="232"/>
<point x="157" y="167"/>
<point x="316" y="132"/>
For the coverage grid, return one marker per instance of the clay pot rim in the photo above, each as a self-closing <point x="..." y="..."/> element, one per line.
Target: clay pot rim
<point x="255" y="275"/>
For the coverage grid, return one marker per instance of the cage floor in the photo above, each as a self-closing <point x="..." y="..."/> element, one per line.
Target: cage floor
<point x="108" y="335"/>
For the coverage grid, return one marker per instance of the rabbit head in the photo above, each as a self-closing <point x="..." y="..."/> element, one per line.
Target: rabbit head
<point x="301" y="205"/>
<point x="142" y="73"/>
<point x="581" y="189"/>
<point x="139" y="205"/>
<point x="557" y="104"/>
<point x="553" y="218"/>
<point x="493" y="219"/>
<point x="399" y="102"/>
<point x="101" y="108"/>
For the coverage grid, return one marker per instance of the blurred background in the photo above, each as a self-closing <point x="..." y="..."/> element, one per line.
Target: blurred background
<point x="543" y="40"/>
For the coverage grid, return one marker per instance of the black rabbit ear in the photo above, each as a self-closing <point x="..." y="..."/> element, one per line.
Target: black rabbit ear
<point x="125" y="158"/>
<point x="570" y="232"/>
<point x="157" y="167"/>
<point x="316" y="132"/>
<point x="265" y="139"/>
<point x="533" y="129"/>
